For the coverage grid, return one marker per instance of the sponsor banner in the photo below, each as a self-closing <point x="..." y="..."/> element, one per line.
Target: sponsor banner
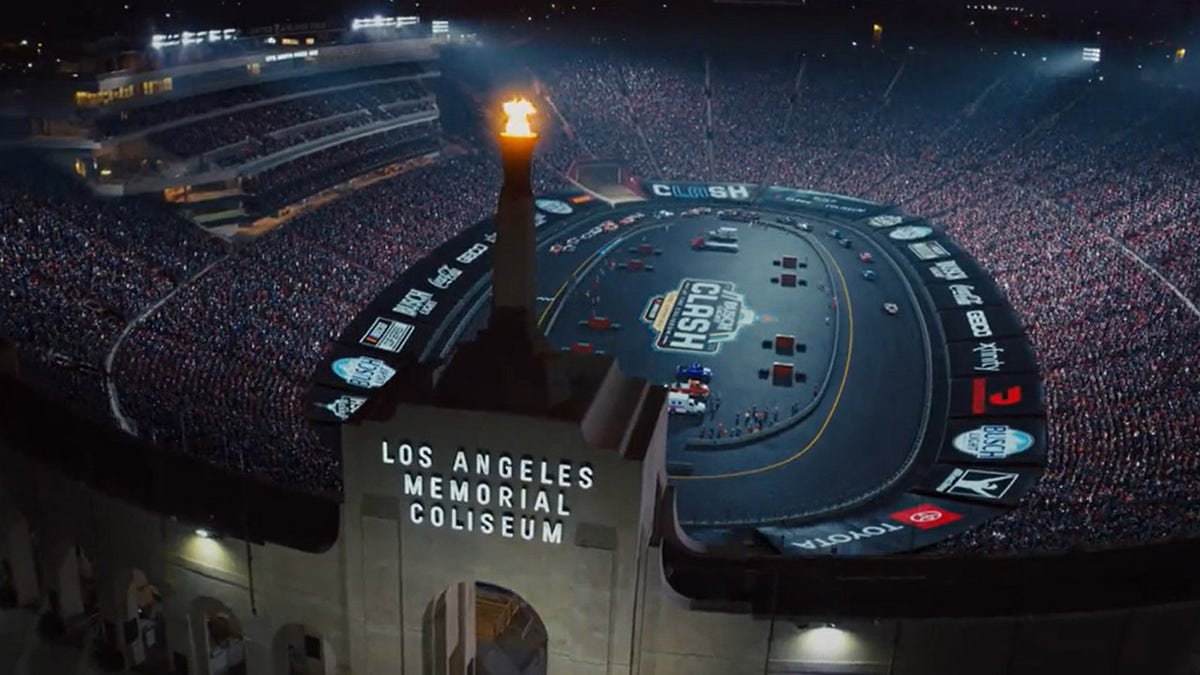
<point x="820" y="201"/>
<point x="390" y="335"/>
<point x="928" y="250"/>
<point x="910" y="232"/>
<point x="996" y="486"/>
<point x="697" y="317"/>
<point x="991" y="357"/>
<point x="732" y="192"/>
<point x="908" y="522"/>
<point x="361" y="372"/>
<point x="980" y="323"/>
<point x="996" y="395"/>
<point x="332" y="405"/>
<point x="553" y="206"/>
<point x="1000" y="440"/>
<point x="886" y="220"/>
<point x="966" y="295"/>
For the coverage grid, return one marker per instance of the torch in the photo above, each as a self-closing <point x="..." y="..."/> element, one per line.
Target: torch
<point x="515" y="263"/>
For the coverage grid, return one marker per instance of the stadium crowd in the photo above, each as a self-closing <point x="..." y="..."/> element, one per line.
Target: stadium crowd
<point x="1082" y="199"/>
<point x="276" y="126"/>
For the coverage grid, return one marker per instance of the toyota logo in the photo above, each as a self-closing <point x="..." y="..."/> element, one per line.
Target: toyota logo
<point x="925" y="516"/>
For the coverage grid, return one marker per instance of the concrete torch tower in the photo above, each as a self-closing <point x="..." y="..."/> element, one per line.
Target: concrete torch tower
<point x="515" y="261"/>
<point x="508" y="366"/>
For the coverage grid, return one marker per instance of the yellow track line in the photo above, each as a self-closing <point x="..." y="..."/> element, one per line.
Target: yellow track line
<point x="832" y="409"/>
<point x="542" y="318"/>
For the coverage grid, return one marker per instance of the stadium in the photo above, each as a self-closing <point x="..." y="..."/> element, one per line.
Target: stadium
<point x="436" y="346"/>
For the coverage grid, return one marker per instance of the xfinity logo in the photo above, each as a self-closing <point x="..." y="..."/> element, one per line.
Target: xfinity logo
<point x="740" y="192"/>
<point x="989" y="357"/>
<point x="831" y="540"/>
<point x="978" y="322"/>
<point x="446" y="275"/>
<point x="964" y="295"/>
<point x="468" y="256"/>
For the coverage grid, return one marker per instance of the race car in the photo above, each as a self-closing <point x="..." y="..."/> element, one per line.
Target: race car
<point x="663" y="213"/>
<point x="697" y="211"/>
<point x="869" y="275"/>
<point x="866" y="257"/>
<point x="786" y="220"/>
<point x="631" y="218"/>
<point x="845" y="242"/>
<point x="891" y="308"/>
<point x="835" y="234"/>
<point x="804" y="227"/>
<point x="691" y="388"/>
<point x="693" y="371"/>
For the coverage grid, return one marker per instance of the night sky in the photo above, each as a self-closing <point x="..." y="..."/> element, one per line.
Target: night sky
<point x="71" y="19"/>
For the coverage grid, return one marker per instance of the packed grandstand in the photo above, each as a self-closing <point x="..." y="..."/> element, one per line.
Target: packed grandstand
<point x="1081" y="198"/>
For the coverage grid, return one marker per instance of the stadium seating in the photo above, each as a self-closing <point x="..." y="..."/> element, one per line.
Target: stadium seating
<point x="1062" y="188"/>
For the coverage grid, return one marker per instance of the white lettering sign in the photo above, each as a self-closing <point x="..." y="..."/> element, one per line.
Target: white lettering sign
<point x="446" y="275"/>
<point x="468" y="256"/>
<point x="490" y="493"/>
<point x="978" y="322"/>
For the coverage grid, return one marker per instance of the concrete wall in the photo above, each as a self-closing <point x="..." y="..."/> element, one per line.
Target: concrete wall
<point x="582" y="588"/>
<point x="606" y="610"/>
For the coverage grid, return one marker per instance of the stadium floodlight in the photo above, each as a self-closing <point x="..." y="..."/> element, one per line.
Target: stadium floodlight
<point x="441" y="27"/>
<point x="379" y="21"/>
<point x="1091" y="54"/>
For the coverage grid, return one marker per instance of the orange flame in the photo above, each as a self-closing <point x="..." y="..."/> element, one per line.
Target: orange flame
<point x="518" y="112"/>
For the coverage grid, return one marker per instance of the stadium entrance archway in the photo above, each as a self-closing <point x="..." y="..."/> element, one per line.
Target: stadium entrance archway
<point x="18" y="567"/>
<point x="145" y="626"/>
<point x="477" y="627"/>
<point x="217" y="635"/>
<point x="301" y="650"/>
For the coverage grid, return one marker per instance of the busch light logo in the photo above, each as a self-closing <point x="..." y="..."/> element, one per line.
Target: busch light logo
<point x="415" y="302"/>
<point x="344" y="406"/>
<point x="993" y="441"/>
<point x="363" y="372"/>
<point x="558" y="208"/>
<point x="886" y="220"/>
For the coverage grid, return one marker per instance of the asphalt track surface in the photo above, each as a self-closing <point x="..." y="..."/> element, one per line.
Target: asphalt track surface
<point x="860" y="435"/>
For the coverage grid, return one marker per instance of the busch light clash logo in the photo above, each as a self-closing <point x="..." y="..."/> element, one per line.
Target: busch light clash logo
<point x="697" y="317"/>
<point x="555" y="206"/>
<point x="343" y="406"/>
<point x="993" y="441"/>
<point x="363" y="372"/>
